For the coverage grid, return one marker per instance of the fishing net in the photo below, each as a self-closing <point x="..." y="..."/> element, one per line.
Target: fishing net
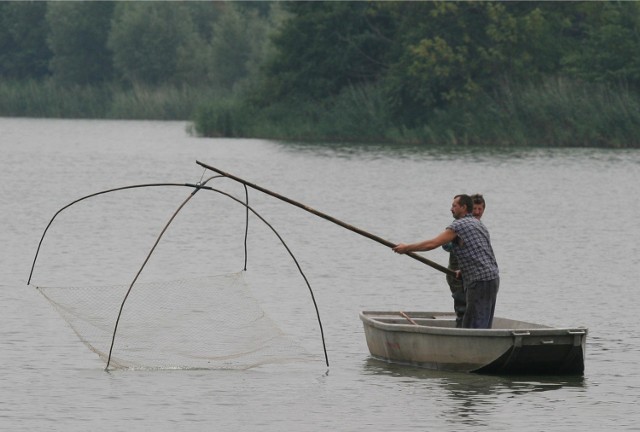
<point x="204" y="323"/>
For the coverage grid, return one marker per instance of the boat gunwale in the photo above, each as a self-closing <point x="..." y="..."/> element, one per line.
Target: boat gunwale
<point x="373" y="318"/>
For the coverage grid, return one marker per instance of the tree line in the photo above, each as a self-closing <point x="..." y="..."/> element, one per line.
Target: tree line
<point x="418" y="71"/>
<point x="149" y="43"/>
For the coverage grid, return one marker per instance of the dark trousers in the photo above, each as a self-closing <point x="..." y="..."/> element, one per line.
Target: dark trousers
<point x="459" y="303"/>
<point x="481" y="303"/>
<point x="457" y="291"/>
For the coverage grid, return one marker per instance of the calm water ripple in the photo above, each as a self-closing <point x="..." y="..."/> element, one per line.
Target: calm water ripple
<point x="563" y="224"/>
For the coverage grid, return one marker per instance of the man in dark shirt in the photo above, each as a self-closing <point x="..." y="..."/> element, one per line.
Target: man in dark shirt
<point x="478" y="266"/>
<point x="455" y="284"/>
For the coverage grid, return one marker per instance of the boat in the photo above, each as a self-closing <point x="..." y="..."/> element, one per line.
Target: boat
<point x="431" y="340"/>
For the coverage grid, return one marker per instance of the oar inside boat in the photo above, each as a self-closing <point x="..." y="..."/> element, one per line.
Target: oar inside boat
<point x="329" y="218"/>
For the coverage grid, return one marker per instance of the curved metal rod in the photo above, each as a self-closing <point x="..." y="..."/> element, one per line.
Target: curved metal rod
<point x="35" y="258"/>
<point x="201" y="186"/>
<point x="146" y="260"/>
<point x="246" y="227"/>
<point x="313" y="298"/>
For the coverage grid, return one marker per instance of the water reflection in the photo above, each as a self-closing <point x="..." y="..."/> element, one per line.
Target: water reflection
<point x="497" y="154"/>
<point x="463" y="385"/>
<point x="473" y="396"/>
<point x="370" y="151"/>
<point x="466" y="397"/>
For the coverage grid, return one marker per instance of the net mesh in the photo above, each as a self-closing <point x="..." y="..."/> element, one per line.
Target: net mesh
<point x="206" y="323"/>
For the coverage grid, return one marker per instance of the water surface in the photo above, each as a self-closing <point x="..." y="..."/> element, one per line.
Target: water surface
<point x="563" y="224"/>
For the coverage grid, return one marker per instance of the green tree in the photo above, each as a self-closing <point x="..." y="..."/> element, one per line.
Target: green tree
<point x="157" y="42"/>
<point x="450" y="53"/>
<point x="326" y="46"/>
<point x="205" y="14"/>
<point x="23" y="47"/>
<point x="77" y="38"/>
<point x="426" y="55"/>
<point x="238" y="45"/>
<point x="441" y="56"/>
<point x="610" y="48"/>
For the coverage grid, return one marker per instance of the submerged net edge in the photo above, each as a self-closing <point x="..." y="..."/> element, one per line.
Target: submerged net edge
<point x="149" y="338"/>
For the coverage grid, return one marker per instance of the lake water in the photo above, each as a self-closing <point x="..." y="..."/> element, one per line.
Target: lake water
<point x="563" y="224"/>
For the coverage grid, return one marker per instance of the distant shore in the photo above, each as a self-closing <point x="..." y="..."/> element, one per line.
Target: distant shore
<point x="557" y="113"/>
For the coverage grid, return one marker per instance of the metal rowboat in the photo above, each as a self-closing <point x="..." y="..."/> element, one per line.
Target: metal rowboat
<point x="431" y="340"/>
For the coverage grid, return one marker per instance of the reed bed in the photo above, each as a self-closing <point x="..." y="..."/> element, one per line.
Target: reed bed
<point x="111" y="101"/>
<point x="555" y="113"/>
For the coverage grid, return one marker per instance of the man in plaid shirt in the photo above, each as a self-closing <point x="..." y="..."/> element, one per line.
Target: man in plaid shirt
<point x="455" y="283"/>
<point x="478" y="266"/>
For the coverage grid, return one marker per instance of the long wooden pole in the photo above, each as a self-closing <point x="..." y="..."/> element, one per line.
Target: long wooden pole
<point x="330" y="219"/>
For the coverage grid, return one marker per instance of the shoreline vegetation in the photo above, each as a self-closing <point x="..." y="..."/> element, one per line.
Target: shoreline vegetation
<point x="555" y="113"/>
<point x="441" y="73"/>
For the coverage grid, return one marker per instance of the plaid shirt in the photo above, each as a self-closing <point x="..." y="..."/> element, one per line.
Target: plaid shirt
<point x="473" y="249"/>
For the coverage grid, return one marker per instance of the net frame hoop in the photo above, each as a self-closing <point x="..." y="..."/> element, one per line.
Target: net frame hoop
<point x="197" y="187"/>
